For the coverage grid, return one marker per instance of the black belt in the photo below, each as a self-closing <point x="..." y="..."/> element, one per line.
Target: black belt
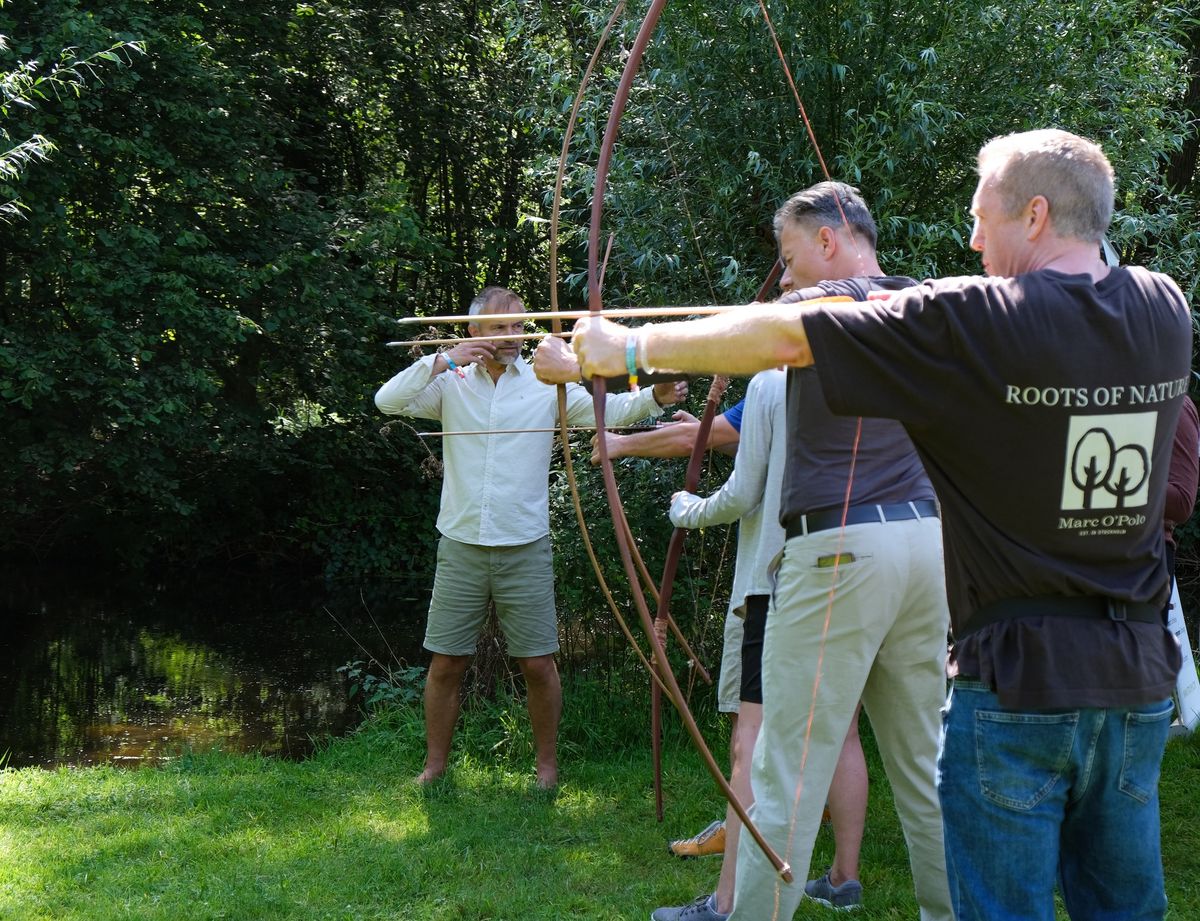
<point x="802" y="525"/>
<point x="1093" y="606"/>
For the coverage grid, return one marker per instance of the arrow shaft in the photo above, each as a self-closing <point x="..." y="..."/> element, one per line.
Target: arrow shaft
<point x="613" y="314"/>
<point x="616" y="313"/>
<point x="458" y="339"/>
<point x="573" y="428"/>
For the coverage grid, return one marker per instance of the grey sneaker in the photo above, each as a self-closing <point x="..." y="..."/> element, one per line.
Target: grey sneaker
<point x="846" y="897"/>
<point x="702" y="909"/>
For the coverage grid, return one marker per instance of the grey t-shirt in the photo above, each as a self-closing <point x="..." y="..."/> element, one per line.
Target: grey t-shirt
<point x="886" y="468"/>
<point x="1043" y="407"/>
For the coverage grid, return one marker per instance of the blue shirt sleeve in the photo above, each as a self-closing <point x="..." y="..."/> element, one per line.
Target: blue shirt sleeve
<point x="733" y="415"/>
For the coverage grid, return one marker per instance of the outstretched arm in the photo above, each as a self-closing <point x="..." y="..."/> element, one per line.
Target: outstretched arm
<point x="746" y="487"/>
<point x="673" y="440"/>
<point x="554" y="363"/>
<point x="742" y="341"/>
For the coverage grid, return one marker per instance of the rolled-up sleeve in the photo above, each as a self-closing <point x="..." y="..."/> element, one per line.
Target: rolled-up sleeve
<point x="415" y="391"/>
<point x="619" y="408"/>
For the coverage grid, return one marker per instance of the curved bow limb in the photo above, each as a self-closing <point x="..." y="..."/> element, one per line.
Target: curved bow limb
<point x="679" y="535"/>
<point x="670" y="685"/>
<point x="632" y="65"/>
<point x="555" y="317"/>
<point x="674" y="551"/>
<point x="653" y="591"/>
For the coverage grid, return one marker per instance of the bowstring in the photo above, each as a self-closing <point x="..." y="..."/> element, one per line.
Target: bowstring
<point x="812" y="137"/>
<point x="835" y="576"/>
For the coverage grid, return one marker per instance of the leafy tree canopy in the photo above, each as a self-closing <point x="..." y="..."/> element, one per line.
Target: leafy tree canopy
<point x="194" y="299"/>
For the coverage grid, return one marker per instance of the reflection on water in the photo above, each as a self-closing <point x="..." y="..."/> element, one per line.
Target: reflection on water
<point x="131" y="674"/>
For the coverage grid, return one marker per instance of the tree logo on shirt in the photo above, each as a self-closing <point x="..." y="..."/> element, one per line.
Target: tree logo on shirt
<point x="1108" y="461"/>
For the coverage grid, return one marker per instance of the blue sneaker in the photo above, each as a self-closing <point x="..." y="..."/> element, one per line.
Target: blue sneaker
<point x="846" y="897"/>
<point x="704" y="908"/>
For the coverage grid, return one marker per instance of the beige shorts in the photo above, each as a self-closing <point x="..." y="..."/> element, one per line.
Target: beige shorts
<point x="519" y="579"/>
<point x="729" y="686"/>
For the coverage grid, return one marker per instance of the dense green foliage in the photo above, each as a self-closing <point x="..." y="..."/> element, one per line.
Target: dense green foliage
<point x="194" y="303"/>
<point x="190" y="330"/>
<point x="33" y="81"/>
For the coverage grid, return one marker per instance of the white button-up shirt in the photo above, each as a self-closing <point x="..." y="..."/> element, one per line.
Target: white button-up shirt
<point x="495" y="489"/>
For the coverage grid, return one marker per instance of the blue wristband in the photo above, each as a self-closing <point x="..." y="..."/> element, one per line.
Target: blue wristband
<point x="631" y="360"/>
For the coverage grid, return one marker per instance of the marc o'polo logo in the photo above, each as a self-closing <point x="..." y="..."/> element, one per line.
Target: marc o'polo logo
<point x="1108" y="462"/>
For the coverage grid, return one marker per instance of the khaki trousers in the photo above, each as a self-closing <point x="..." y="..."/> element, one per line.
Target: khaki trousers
<point x="885" y="643"/>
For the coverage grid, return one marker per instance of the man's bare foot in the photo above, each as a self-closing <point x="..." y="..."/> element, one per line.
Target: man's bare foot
<point x="428" y="776"/>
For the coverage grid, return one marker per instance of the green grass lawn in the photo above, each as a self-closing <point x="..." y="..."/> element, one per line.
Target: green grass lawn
<point x="345" y="835"/>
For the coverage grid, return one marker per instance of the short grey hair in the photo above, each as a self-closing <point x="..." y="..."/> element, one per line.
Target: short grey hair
<point x="828" y="204"/>
<point x="491" y="298"/>
<point x="1070" y="172"/>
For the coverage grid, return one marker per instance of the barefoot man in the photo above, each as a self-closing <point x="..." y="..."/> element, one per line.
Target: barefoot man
<point x="494" y="517"/>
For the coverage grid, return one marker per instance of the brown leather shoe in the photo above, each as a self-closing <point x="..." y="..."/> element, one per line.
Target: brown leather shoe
<point x="709" y="841"/>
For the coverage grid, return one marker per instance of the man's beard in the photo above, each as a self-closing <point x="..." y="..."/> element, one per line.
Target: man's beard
<point x="506" y="358"/>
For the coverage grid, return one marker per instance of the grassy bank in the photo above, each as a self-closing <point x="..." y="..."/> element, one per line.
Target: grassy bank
<point x="345" y="835"/>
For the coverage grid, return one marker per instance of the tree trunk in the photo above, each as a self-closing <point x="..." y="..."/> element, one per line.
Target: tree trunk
<point x="1181" y="166"/>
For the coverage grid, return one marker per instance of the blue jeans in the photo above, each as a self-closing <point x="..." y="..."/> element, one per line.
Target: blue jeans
<point x="1034" y="797"/>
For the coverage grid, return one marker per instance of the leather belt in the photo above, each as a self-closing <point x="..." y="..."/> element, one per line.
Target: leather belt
<point x="1089" y="606"/>
<point x="803" y="525"/>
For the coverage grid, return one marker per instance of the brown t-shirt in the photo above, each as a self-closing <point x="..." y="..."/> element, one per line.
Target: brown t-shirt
<point x="1043" y="408"/>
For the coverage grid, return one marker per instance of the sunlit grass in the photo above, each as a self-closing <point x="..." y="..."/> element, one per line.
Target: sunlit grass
<point x="346" y="835"/>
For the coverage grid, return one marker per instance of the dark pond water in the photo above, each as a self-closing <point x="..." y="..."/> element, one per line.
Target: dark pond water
<point x="132" y="673"/>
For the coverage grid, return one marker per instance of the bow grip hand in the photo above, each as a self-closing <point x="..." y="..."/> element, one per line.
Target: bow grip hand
<point x="599" y="346"/>
<point x="554" y="362"/>
<point x="671" y="392"/>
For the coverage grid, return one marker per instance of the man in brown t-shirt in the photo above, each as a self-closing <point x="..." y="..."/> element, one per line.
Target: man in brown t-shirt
<point x="1043" y="400"/>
